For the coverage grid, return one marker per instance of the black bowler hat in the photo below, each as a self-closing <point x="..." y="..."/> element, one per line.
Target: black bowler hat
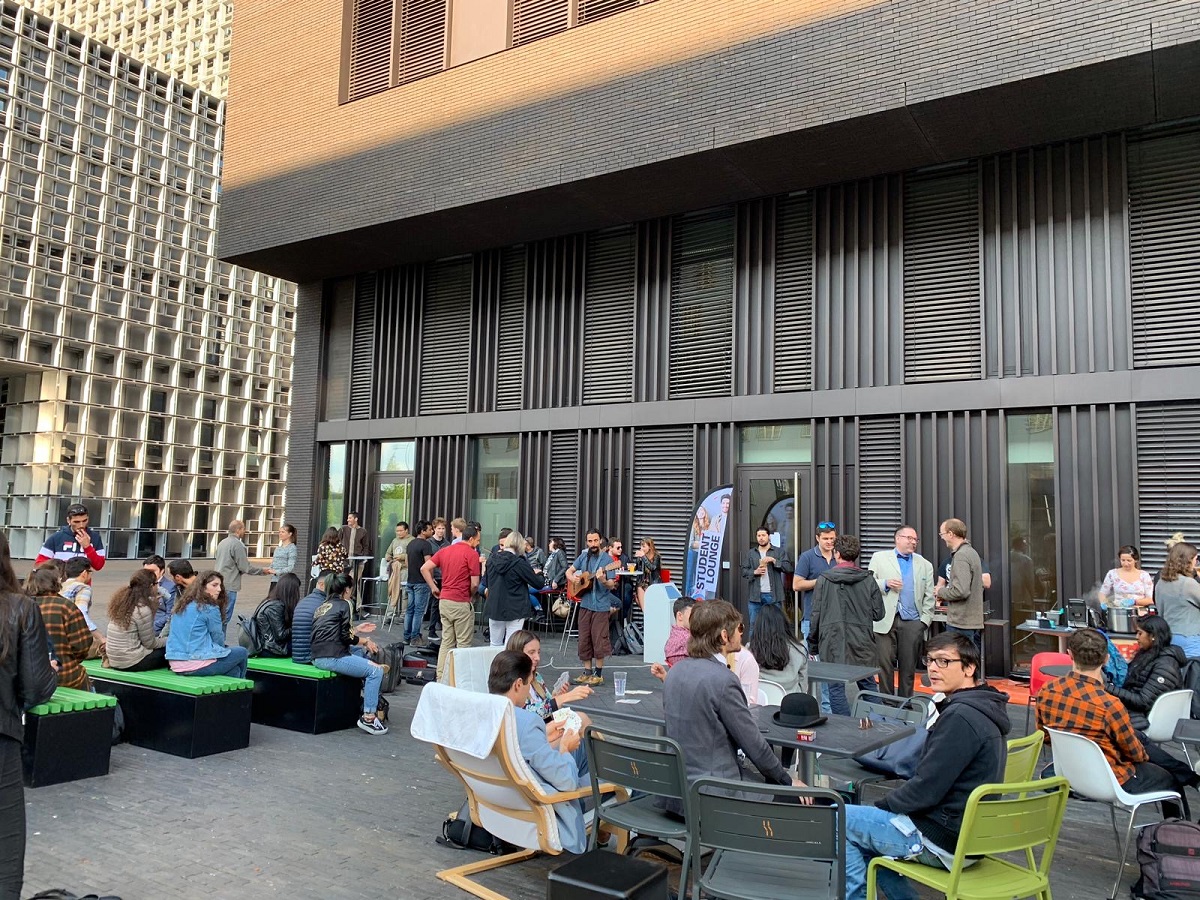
<point x="799" y="711"/>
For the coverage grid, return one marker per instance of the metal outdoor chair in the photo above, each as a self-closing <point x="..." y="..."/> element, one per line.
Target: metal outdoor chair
<point x="368" y="588"/>
<point x="1027" y="816"/>
<point x="1165" y="714"/>
<point x="766" y="846"/>
<point x="1037" y="678"/>
<point x="845" y="775"/>
<point x="1023" y="754"/>
<point x="1083" y="764"/>
<point x="770" y="693"/>
<point x="651" y="765"/>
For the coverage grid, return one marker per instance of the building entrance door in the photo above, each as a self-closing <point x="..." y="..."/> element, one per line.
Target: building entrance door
<point x="393" y="499"/>
<point x="776" y="498"/>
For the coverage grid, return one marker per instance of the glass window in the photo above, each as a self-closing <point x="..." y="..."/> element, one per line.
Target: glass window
<point x="397" y="456"/>
<point x="495" y="465"/>
<point x="1032" y="528"/>
<point x="775" y="443"/>
<point x="335" y="486"/>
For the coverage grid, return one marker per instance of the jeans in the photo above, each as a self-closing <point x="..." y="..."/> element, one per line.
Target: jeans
<point x="232" y="595"/>
<point x="838" y="704"/>
<point x="414" y="615"/>
<point x="501" y="630"/>
<point x="975" y="634"/>
<point x="755" y="606"/>
<point x="233" y="665"/>
<point x="870" y="833"/>
<point x="356" y="665"/>
<point x="12" y="820"/>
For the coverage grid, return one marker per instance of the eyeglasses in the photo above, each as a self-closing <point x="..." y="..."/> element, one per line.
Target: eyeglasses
<point x="910" y="537"/>
<point x="943" y="533"/>
<point x="942" y="662"/>
<point x="822" y="526"/>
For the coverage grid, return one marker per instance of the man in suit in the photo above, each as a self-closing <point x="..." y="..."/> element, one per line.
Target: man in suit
<point x="705" y="708"/>
<point x="906" y="580"/>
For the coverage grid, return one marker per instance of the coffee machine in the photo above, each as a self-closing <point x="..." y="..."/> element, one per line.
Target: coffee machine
<point x="1077" y="615"/>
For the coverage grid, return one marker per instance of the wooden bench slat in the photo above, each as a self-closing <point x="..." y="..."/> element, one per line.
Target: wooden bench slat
<point x="278" y="666"/>
<point x="72" y="700"/>
<point x="166" y="680"/>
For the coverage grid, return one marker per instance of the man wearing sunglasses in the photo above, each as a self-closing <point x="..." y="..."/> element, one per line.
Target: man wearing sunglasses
<point x="921" y="819"/>
<point x="812" y="564"/>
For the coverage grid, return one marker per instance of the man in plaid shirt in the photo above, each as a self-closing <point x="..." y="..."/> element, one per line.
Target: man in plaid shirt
<point x="1079" y="703"/>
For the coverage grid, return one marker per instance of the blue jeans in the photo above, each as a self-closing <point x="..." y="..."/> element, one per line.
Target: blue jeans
<point x="233" y="665"/>
<point x="232" y="595"/>
<point x="870" y="833"/>
<point x="763" y="600"/>
<point x="356" y="665"/>
<point x="418" y="599"/>
<point x="839" y="705"/>
<point x="975" y="634"/>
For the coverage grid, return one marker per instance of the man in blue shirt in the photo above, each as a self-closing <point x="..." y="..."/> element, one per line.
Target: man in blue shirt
<point x="905" y="579"/>
<point x="596" y="604"/>
<point x="811" y="565"/>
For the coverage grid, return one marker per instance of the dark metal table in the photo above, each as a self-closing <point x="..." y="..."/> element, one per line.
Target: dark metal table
<point x="1187" y="731"/>
<point x="1055" y="671"/>
<point x="839" y="736"/>
<point x="836" y="673"/>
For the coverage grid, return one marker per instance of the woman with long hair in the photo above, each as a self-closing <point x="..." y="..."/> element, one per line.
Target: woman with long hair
<point x="283" y="560"/>
<point x="555" y="568"/>
<point x="273" y="618"/>
<point x="649" y="568"/>
<point x="68" y="631"/>
<point x="541" y="700"/>
<point x="26" y="679"/>
<point x="196" y="645"/>
<point x="132" y="643"/>
<point x="1156" y="667"/>
<point x="1177" y="597"/>
<point x="781" y="658"/>
<point x="331" y="555"/>
<point x="1128" y="585"/>
<point x="700" y="524"/>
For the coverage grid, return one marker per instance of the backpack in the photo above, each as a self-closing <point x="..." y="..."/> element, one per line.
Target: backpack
<point x="460" y="832"/>
<point x="1117" y="667"/>
<point x="1169" y="856"/>
<point x="633" y="639"/>
<point x="392" y="655"/>
<point x="249" y="636"/>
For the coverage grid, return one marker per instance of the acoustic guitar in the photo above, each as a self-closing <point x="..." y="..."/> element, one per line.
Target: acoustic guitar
<point x="576" y="590"/>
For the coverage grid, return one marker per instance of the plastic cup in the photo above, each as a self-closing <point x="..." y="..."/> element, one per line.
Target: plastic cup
<point x="633" y="567"/>
<point x="619" y="683"/>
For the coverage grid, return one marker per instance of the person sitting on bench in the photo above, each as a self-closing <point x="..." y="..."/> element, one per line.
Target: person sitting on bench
<point x="336" y="648"/>
<point x="132" y="644"/>
<point x="70" y="640"/>
<point x="196" y="645"/>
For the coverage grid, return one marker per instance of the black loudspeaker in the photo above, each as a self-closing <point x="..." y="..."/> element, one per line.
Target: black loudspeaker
<point x="601" y="874"/>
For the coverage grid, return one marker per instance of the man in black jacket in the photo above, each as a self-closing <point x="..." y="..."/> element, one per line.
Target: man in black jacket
<point x="846" y="606"/>
<point x="335" y="648"/>
<point x="965" y="748"/>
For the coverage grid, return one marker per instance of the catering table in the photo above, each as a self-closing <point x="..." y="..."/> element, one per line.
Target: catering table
<point x="1062" y="633"/>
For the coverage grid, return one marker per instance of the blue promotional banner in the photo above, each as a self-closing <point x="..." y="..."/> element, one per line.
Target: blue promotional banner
<point x="705" y="539"/>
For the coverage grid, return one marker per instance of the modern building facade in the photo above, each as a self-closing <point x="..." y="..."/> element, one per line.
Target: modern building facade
<point x="188" y="39"/>
<point x="137" y="372"/>
<point x="567" y="263"/>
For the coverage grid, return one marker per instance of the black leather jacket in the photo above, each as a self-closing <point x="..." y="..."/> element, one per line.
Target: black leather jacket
<point x="274" y="628"/>
<point x="26" y="678"/>
<point x="331" y="635"/>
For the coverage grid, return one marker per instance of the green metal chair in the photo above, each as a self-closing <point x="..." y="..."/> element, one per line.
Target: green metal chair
<point x="1027" y="816"/>
<point x="652" y="765"/>
<point x="1023" y="754"/>
<point x="766" y="845"/>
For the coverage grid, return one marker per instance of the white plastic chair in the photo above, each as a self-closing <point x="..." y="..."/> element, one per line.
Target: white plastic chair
<point x="770" y="693"/>
<point x="1165" y="714"/>
<point x="1082" y="763"/>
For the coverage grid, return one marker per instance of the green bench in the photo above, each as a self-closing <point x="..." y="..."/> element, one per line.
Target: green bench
<point x="301" y="697"/>
<point x="184" y="715"/>
<point x="68" y="737"/>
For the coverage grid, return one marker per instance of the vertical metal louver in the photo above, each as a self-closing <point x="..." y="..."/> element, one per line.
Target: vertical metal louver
<point x="370" y="63"/>
<point x="1164" y="246"/>
<point x="794" y="294"/>
<point x="338" y="352"/>
<point x="510" y="338"/>
<point x="609" y="289"/>
<point x="422" y="39"/>
<point x="880" y="497"/>
<point x="942" y="340"/>
<point x="364" y="347"/>
<point x="535" y="19"/>
<point x="564" y="489"/>
<point x="663" y="495"/>
<point x="1168" y="492"/>
<point x="445" y="338"/>
<point x="702" y="305"/>
<point x="591" y="10"/>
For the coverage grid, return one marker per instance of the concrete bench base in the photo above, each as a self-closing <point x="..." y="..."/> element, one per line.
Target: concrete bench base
<point x="181" y="724"/>
<point x="68" y="746"/>
<point x="307" y="705"/>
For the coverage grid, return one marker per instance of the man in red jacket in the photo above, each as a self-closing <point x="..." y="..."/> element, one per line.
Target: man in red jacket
<point x="74" y="539"/>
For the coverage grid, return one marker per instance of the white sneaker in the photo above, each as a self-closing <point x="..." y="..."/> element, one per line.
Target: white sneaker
<point x="374" y="726"/>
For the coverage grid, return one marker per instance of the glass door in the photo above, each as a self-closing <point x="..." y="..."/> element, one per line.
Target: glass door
<point x="774" y="498"/>
<point x="394" y="499"/>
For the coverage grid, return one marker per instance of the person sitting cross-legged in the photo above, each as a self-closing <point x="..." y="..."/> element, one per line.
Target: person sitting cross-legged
<point x="336" y="648"/>
<point x="1079" y="703"/>
<point x="921" y="819"/>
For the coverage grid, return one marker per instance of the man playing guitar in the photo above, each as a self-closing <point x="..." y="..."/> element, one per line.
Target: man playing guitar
<point x="587" y="579"/>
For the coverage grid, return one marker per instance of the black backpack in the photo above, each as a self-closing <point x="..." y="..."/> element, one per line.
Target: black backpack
<point x="1169" y="854"/>
<point x="460" y="832"/>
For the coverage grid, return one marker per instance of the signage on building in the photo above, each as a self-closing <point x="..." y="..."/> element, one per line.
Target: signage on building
<point x="705" y="539"/>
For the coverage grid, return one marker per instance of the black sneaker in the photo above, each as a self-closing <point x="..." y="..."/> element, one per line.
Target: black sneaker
<point x="374" y="726"/>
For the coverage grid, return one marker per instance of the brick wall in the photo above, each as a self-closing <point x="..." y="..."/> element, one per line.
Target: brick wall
<point x="672" y="78"/>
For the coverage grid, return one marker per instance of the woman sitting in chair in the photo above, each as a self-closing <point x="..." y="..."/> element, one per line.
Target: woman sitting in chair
<point x="780" y="658"/>
<point x="540" y="700"/>
<point x="1156" y="668"/>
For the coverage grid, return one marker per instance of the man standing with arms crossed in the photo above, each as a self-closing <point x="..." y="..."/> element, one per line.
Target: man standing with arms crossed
<point x="906" y="580"/>
<point x="460" y="580"/>
<point x="963" y="592"/>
